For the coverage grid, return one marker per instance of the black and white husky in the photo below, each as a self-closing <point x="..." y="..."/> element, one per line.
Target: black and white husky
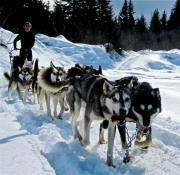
<point x="48" y="79"/>
<point x="145" y="106"/>
<point x="20" y="79"/>
<point x="101" y="100"/>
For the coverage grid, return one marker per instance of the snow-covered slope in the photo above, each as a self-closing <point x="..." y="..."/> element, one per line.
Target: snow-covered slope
<point x="32" y="144"/>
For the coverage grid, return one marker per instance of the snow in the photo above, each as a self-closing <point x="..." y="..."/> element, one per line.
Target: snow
<point x="32" y="144"/>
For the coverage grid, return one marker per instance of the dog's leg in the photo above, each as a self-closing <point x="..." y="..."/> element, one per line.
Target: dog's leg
<point x="47" y="97"/>
<point x="61" y="102"/>
<point x="111" y="135"/>
<point x="55" y="102"/>
<point x="34" y="98"/>
<point x="86" y="126"/>
<point x="41" y="98"/>
<point x="26" y="93"/>
<point x="65" y="104"/>
<point x="147" y="143"/>
<point x="75" y="115"/>
<point x="38" y="94"/>
<point x="103" y="125"/>
<point x="19" y="93"/>
<point x="122" y="133"/>
<point x="10" y="89"/>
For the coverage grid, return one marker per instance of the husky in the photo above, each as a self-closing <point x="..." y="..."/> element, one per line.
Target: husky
<point x="20" y="79"/>
<point x="101" y="100"/>
<point x="81" y="69"/>
<point x="145" y="106"/>
<point x="51" y="77"/>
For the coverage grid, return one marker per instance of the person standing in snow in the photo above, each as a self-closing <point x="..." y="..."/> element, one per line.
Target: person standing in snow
<point x="27" y="39"/>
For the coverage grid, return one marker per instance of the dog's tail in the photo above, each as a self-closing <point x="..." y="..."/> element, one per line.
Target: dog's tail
<point x="36" y="68"/>
<point x="35" y="74"/>
<point x="49" y="85"/>
<point x="7" y="76"/>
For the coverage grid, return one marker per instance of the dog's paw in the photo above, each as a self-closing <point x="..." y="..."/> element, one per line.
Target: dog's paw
<point x="126" y="159"/>
<point x="110" y="164"/>
<point x="60" y="118"/>
<point x="143" y="145"/>
<point x="85" y="142"/>
<point x="102" y="142"/>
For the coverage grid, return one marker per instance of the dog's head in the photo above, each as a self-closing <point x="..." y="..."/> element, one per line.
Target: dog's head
<point x="57" y="73"/>
<point x="81" y="69"/>
<point x="117" y="100"/>
<point x="146" y="104"/>
<point x="91" y="70"/>
<point x="25" y="74"/>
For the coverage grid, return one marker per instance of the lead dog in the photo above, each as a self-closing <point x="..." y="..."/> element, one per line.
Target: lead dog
<point x="145" y="106"/>
<point x="102" y="100"/>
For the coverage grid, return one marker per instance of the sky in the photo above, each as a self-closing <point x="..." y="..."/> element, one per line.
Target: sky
<point x="143" y="7"/>
<point x="32" y="144"/>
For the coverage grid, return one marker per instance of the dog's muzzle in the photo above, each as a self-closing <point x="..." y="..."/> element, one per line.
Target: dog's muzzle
<point x="115" y="117"/>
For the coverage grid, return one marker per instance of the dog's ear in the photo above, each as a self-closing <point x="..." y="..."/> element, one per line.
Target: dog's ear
<point x="155" y="92"/>
<point x="107" y="87"/>
<point x="53" y="67"/>
<point x="100" y="70"/>
<point x="130" y="84"/>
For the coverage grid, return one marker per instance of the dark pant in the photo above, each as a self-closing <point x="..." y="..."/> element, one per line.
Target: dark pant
<point x="26" y="54"/>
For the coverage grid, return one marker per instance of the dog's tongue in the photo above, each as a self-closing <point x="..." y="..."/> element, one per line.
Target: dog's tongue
<point x="116" y="117"/>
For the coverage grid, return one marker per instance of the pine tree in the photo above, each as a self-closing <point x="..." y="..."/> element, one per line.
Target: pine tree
<point x="131" y="20"/>
<point x="155" y="25"/>
<point x="141" y="26"/>
<point x="174" y="21"/>
<point x="164" y="21"/>
<point x="123" y="17"/>
<point x="59" y="17"/>
<point x="105" y="19"/>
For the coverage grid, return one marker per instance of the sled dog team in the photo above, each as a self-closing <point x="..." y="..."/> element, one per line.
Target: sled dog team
<point x="83" y="87"/>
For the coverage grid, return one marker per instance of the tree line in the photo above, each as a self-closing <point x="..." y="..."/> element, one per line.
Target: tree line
<point x="93" y="22"/>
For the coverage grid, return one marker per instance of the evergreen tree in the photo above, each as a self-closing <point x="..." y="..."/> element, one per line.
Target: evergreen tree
<point x="174" y="21"/>
<point x="164" y="21"/>
<point x="155" y="25"/>
<point x="123" y="17"/>
<point x="60" y="17"/>
<point x="131" y="20"/>
<point x="105" y="19"/>
<point x="141" y="26"/>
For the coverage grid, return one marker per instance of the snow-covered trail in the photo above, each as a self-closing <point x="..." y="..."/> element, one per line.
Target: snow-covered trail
<point x="32" y="144"/>
<point x="49" y="145"/>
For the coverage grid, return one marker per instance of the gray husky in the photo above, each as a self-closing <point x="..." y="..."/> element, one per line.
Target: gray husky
<point x="48" y="79"/>
<point x="101" y="100"/>
<point x="145" y="106"/>
<point x="20" y="79"/>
